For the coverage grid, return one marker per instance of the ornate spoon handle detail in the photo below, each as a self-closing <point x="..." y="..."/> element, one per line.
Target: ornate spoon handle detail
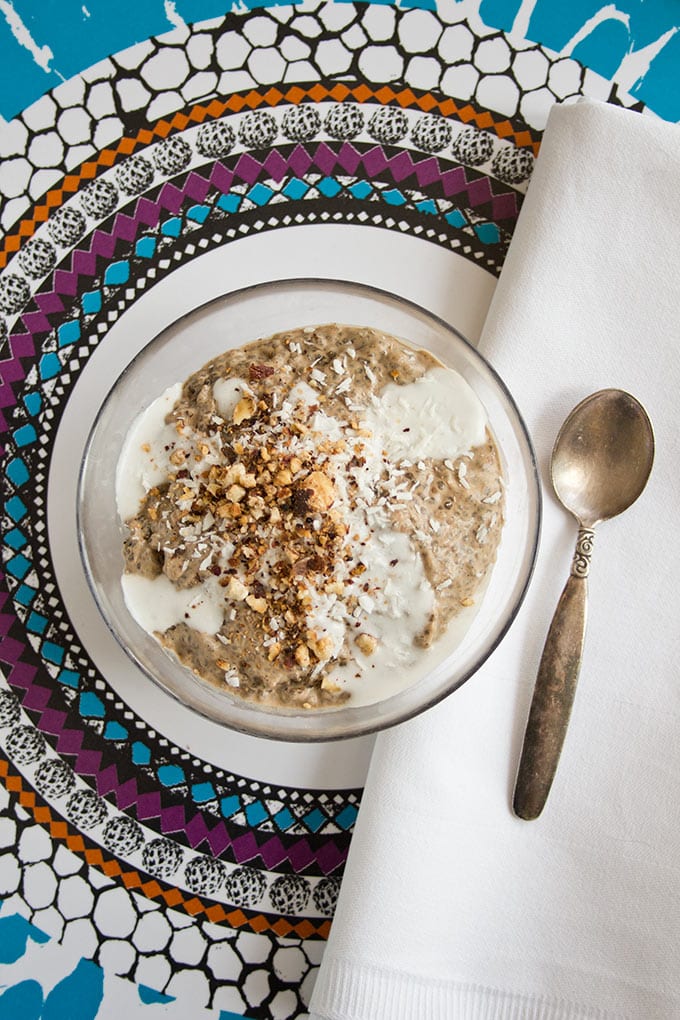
<point x="580" y="565"/>
<point x="555" y="688"/>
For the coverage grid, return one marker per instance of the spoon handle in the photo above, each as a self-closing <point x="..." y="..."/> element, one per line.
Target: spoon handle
<point x="555" y="688"/>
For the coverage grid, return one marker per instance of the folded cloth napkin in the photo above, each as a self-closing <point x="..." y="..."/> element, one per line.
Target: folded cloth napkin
<point x="451" y="906"/>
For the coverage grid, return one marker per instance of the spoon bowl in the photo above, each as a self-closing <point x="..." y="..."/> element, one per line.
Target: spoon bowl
<point x="602" y="456"/>
<point x="600" y="464"/>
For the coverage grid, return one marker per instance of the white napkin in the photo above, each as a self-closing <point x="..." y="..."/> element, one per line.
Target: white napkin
<point x="452" y="907"/>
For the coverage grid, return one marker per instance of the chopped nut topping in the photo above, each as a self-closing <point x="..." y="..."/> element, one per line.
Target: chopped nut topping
<point x="367" y="643"/>
<point x="244" y="409"/>
<point x="323" y="493"/>
<point x="235" y="493"/>
<point x="302" y="656"/>
<point x="323" y="648"/>
<point x="259" y="605"/>
<point x="236" y="590"/>
<point x="283" y="477"/>
<point x="279" y="506"/>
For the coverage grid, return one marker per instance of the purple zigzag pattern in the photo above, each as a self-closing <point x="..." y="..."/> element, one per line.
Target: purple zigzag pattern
<point x="12" y="371"/>
<point x="21" y="674"/>
<point x="84" y="264"/>
<point x="66" y="282"/>
<point x="427" y="172"/>
<point x="216" y="839"/>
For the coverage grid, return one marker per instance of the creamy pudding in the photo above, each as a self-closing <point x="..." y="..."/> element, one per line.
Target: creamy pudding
<point x="308" y="515"/>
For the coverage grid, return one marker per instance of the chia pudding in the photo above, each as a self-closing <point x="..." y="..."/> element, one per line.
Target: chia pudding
<point x="307" y="514"/>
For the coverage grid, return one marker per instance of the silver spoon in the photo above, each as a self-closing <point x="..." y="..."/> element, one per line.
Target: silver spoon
<point x="600" y="464"/>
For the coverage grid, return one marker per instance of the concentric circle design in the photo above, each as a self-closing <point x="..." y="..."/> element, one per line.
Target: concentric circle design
<point x="139" y="194"/>
<point x="160" y="202"/>
<point x="188" y="216"/>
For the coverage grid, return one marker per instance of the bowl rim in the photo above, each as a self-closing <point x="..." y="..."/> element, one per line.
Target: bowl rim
<point x="262" y="713"/>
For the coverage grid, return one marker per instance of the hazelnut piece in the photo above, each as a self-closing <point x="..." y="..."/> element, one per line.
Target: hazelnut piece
<point x="367" y="643"/>
<point x="244" y="409"/>
<point x="321" y="491"/>
<point x="236" y="590"/>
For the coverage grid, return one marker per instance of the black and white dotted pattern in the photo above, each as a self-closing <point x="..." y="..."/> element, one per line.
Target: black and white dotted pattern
<point x="162" y="858"/>
<point x="257" y="130"/>
<point x="215" y="139"/>
<point x="37" y="257"/>
<point x="172" y="155"/>
<point x="99" y="199"/>
<point x="344" y="122"/>
<point x="67" y="226"/>
<point x="85" y="809"/>
<point x="513" y="167"/>
<point x="14" y="292"/>
<point x="25" y="744"/>
<point x="135" y="175"/>
<point x="388" y="126"/>
<point x="473" y="147"/>
<point x="10" y="712"/>
<point x="133" y="842"/>
<point x="431" y="134"/>
<point x="289" y="894"/>
<point x="325" y="895"/>
<point x="122" y="835"/>
<point x="204" y="875"/>
<point x="196" y="961"/>
<point x="54" y="778"/>
<point x="245" y="886"/>
<point x="301" y="123"/>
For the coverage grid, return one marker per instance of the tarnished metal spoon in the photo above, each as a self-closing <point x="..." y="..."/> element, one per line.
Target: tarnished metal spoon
<point x="600" y="464"/>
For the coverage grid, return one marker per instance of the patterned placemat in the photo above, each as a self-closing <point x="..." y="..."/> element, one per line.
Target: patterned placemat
<point x="126" y="855"/>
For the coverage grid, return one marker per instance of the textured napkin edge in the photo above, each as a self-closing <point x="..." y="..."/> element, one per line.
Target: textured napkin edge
<point x="366" y="992"/>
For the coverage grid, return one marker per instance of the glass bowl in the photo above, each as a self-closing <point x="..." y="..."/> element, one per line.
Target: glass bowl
<point x="231" y="321"/>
